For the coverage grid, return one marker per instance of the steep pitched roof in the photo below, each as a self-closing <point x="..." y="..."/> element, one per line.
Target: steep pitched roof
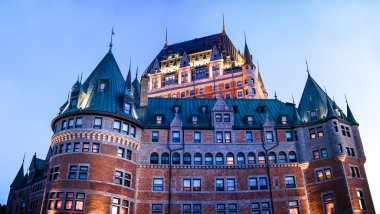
<point x="108" y="100"/>
<point x="313" y="98"/>
<point x="350" y="116"/>
<point x="247" y="55"/>
<point x="192" y="106"/>
<point x="221" y="40"/>
<point x="18" y="181"/>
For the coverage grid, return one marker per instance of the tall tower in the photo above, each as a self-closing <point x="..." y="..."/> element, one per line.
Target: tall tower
<point x="93" y="149"/>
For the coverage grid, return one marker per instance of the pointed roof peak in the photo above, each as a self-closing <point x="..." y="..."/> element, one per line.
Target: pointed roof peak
<point x="307" y="67"/>
<point x="166" y="38"/>
<point x="247" y="54"/>
<point x="19" y="179"/>
<point x="110" y="45"/>
<point x="330" y="110"/>
<point x="350" y="115"/>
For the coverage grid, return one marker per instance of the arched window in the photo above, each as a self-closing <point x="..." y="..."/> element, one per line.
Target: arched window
<point x="240" y="158"/>
<point x="197" y="159"/>
<point x="208" y="159"/>
<point x="251" y="158"/>
<point x="230" y="159"/>
<point x="262" y="158"/>
<point x="186" y="158"/>
<point x="154" y="158"/>
<point x="176" y="159"/>
<point x="272" y="157"/>
<point x="219" y="160"/>
<point x="292" y="157"/>
<point x="165" y="158"/>
<point x="282" y="157"/>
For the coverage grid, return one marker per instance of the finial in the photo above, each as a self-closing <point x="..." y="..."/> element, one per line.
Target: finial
<point x="345" y="97"/>
<point x="245" y="38"/>
<point x="78" y="78"/>
<point x="166" y="38"/>
<point x="68" y="96"/>
<point x="224" y="27"/>
<point x="293" y="99"/>
<point x="130" y="63"/>
<point x="258" y="66"/>
<point x="325" y="89"/>
<point x="307" y="66"/>
<point x="275" y="95"/>
<point x="137" y="71"/>
<point x="112" y="34"/>
<point x="23" y="159"/>
<point x="81" y="77"/>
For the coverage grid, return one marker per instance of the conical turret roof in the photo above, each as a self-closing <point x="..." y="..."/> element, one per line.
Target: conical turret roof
<point x="350" y="116"/>
<point x="18" y="181"/>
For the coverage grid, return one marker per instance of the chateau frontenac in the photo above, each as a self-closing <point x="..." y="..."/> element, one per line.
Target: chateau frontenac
<point x="195" y="133"/>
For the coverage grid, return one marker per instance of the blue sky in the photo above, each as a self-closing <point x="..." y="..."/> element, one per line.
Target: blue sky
<point x="46" y="44"/>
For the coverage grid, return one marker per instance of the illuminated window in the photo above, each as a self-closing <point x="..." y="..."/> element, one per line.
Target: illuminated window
<point x="329" y="203"/>
<point x="196" y="184"/>
<point x="95" y="147"/>
<point x="290" y="182"/>
<point x="119" y="206"/>
<point x="194" y="119"/>
<point x="230" y="159"/>
<point x="262" y="158"/>
<point x="312" y="133"/>
<point x="226" y="117"/>
<point x="313" y="115"/>
<point x="227" y="137"/>
<point x="197" y="137"/>
<point x="320" y="131"/>
<point x="249" y="120"/>
<point x="86" y="147"/>
<point x="284" y="119"/>
<point x="175" y="136"/>
<point x="186" y="184"/>
<point x="272" y="158"/>
<point x="251" y="158"/>
<point x="159" y="119"/>
<point x="293" y="207"/>
<point x="102" y="85"/>
<point x="316" y="155"/>
<point x="269" y="136"/>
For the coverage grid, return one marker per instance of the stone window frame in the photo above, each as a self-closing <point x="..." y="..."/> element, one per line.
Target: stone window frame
<point x="294" y="179"/>
<point x="155" y="136"/>
<point x="120" y="205"/>
<point x="161" y="187"/>
<point x="157" y="208"/>
<point x="361" y="199"/>
<point x="54" y="172"/>
<point x="200" y="136"/>
<point x="97" y="126"/>
<point x="192" y="182"/>
<point x="78" y="171"/>
<point x="294" y="204"/>
<point x="323" y="171"/>
<point x="124" y="179"/>
<point x="355" y="171"/>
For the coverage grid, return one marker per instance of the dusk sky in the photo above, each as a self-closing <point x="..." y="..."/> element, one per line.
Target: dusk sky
<point x="45" y="45"/>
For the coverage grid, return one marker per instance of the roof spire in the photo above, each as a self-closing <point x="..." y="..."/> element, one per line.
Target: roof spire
<point x="166" y="38"/>
<point x="307" y="67"/>
<point x="137" y="71"/>
<point x="112" y="34"/>
<point x="350" y="116"/>
<point x="81" y="75"/>
<point x="129" y="79"/>
<point x="275" y="95"/>
<point x="293" y="99"/>
<point x="330" y="111"/>
<point x="224" y="27"/>
<point x="247" y="54"/>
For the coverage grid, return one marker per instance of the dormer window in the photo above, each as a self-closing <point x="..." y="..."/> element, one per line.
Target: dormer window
<point x="127" y="108"/>
<point x="261" y="109"/>
<point x="204" y="109"/>
<point x="176" y="137"/>
<point x="177" y="108"/>
<point x="313" y="115"/>
<point x="218" y="117"/>
<point x="226" y="117"/>
<point x="74" y="103"/>
<point x="102" y="85"/>
<point x="159" y="119"/>
<point x="269" y="136"/>
<point x="284" y="119"/>
<point x="249" y="120"/>
<point x="194" y="119"/>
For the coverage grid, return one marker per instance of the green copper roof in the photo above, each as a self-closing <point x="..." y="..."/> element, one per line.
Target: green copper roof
<point x="350" y="116"/>
<point x="106" y="100"/>
<point x="192" y="106"/>
<point x="313" y="98"/>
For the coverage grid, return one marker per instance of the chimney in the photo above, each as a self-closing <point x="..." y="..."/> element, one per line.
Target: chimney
<point x="144" y="90"/>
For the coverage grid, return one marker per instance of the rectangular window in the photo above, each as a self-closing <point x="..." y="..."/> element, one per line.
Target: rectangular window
<point x="320" y="175"/>
<point x="269" y="136"/>
<point x="121" y="152"/>
<point x="86" y="147"/>
<point x="133" y="131"/>
<point x="340" y="148"/>
<point x="157" y="209"/>
<point x="125" y="128"/>
<point x="98" y="123"/>
<point x="95" y="147"/>
<point x="129" y="154"/>
<point x="293" y="207"/>
<point x="116" y="126"/>
<point x="127" y="108"/>
<point x="263" y="183"/>
<point x="249" y="137"/>
<point x="61" y="149"/>
<point x="240" y="94"/>
<point x="186" y="184"/>
<point x="313" y="115"/>
<point x="219" y="137"/>
<point x="123" y="178"/>
<point x="324" y="153"/>
<point x="284" y="119"/>
<point x="226" y="117"/>
<point x="54" y="173"/>
<point x="316" y="155"/>
<point x="227" y="137"/>
<point x="155" y="136"/>
<point x="119" y="206"/>
<point x="335" y="126"/>
<point x="355" y="172"/>
<point x="64" y="125"/>
<point x="158" y="184"/>
<point x="289" y="136"/>
<point x="197" y="185"/>
<point x="249" y="120"/>
<point x="253" y="184"/>
<point x="194" y="119"/>
<point x="76" y="147"/>
<point x="197" y="137"/>
<point x="78" y="172"/>
<point x="320" y="131"/>
<point x="343" y="130"/>
<point x="175" y="136"/>
<point x="219" y="184"/>
<point x="328" y="174"/>
<point x="312" y="133"/>
<point x="290" y="182"/>
<point x="239" y="83"/>
<point x="218" y="117"/>
<point x="159" y="119"/>
<point x="328" y="203"/>
<point x="348" y="132"/>
<point x="352" y="152"/>
<point x="78" y="122"/>
<point x="361" y="201"/>
<point x="70" y="123"/>
<point x="68" y="147"/>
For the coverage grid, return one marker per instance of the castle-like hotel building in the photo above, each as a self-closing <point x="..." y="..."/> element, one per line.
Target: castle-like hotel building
<point x="195" y="134"/>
